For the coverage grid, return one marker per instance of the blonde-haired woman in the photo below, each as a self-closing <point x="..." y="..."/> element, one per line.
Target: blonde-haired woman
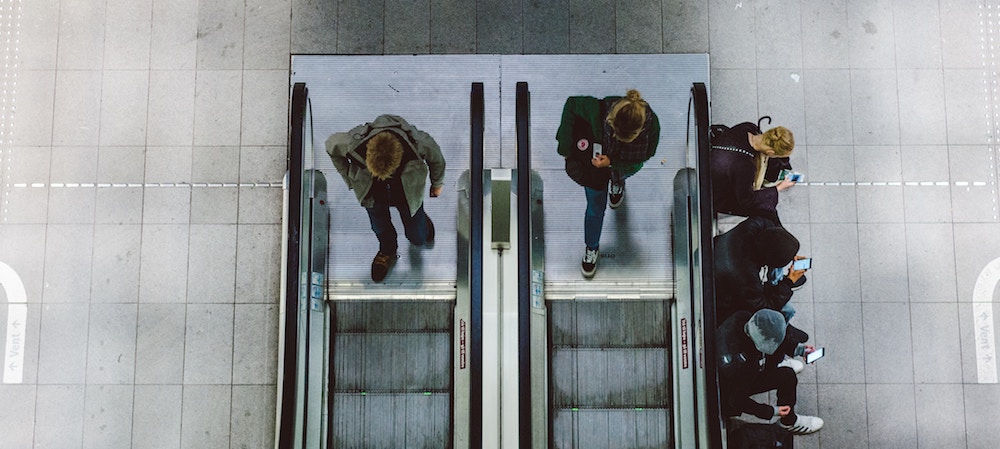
<point x="603" y="142"/>
<point x="740" y="158"/>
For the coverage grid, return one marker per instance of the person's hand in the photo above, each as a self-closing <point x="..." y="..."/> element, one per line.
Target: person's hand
<point x="436" y="191"/>
<point x="784" y="184"/>
<point x="784" y="410"/>
<point x="601" y="161"/>
<point x="794" y="275"/>
<point x="809" y="349"/>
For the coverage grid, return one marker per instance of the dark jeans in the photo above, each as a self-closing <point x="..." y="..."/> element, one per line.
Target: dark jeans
<point x="785" y="381"/>
<point x="414" y="226"/>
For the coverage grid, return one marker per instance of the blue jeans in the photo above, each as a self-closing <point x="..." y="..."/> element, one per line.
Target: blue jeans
<point x="415" y="227"/>
<point x="593" y="218"/>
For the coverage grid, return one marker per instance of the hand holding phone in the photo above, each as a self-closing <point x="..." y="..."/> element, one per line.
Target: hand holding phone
<point x="802" y="264"/>
<point x="598" y="149"/>
<point x="812" y="357"/>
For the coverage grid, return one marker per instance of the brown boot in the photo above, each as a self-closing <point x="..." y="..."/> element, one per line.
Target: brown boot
<point x="381" y="265"/>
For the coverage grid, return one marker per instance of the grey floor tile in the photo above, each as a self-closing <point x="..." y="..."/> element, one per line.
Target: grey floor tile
<point x="838" y="281"/>
<point x="892" y="419"/>
<point x="499" y="26"/>
<point x="959" y="19"/>
<point x="128" y="26"/>
<point x="828" y="107"/>
<point x="33" y="121"/>
<point x="108" y="417"/>
<point x="975" y="203"/>
<point x="118" y="205"/>
<point x="313" y="27"/>
<point x="262" y="164"/>
<point x="875" y="106"/>
<point x="174" y="35"/>
<point x="216" y="164"/>
<point x="975" y="247"/>
<point x="111" y="349"/>
<point x="265" y="99"/>
<point x="121" y="164"/>
<point x="589" y="26"/>
<point x="168" y="164"/>
<point x="39" y="32"/>
<point x="638" y="26"/>
<point x="76" y="120"/>
<point x="546" y="27"/>
<point x="73" y="164"/>
<point x="214" y="205"/>
<point x="781" y="95"/>
<point x="930" y="256"/>
<point x="825" y="42"/>
<point x="217" y="94"/>
<point x="115" y="277"/>
<point x="685" y="27"/>
<point x="453" y="29"/>
<point x="255" y="344"/>
<point x="361" y="28"/>
<point x="844" y="413"/>
<point x="940" y="415"/>
<point x="888" y="343"/>
<point x="839" y="329"/>
<point x="936" y="344"/>
<point x="917" y="33"/>
<point x="252" y="416"/>
<point x="258" y="255"/>
<point x="220" y="35"/>
<point x="877" y="201"/>
<point x="72" y="205"/>
<point x="884" y="271"/>
<point x="926" y="203"/>
<point x="733" y="43"/>
<point x="157" y="422"/>
<point x="982" y="412"/>
<point x="163" y="269"/>
<point x="205" y="418"/>
<point x="409" y="31"/>
<point x="208" y="344"/>
<point x="166" y="205"/>
<point x="160" y="344"/>
<point x="259" y="205"/>
<point x="870" y="34"/>
<point x="832" y="203"/>
<point x="18" y="419"/>
<point x="921" y="106"/>
<point x="266" y="37"/>
<point x="965" y="102"/>
<point x="212" y="264"/>
<point x="81" y="36"/>
<point x="171" y="107"/>
<point x="68" y="252"/>
<point x="778" y="47"/>
<point x="62" y="344"/>
<point x="123" y="107"/>
<point x="23" y="247"/>
<point x="740" y="102"/>
<point x="59" y="412"/>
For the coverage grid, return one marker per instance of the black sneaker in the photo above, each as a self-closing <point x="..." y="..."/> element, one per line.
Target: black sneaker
<point x="799" y="283"/>
<point x="616" y="194"/>
<point x="589" y="264"/>
<point x="430" y="232"/>
<point x="381" y="265"/>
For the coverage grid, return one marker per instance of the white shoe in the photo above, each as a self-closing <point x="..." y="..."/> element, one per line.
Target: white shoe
<point x="792" y="363"/>
<point x="804" y="425"/>
<point x="589" y="265"/>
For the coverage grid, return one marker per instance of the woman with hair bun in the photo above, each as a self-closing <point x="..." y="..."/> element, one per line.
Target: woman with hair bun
<point x="603" y="142"/>
<point x="740" y="160"/>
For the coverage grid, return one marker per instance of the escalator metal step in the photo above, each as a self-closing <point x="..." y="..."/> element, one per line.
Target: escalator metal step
<point x="611" y="428"/>
<point x="609" y="323"/>
<point x="611" y="378"/>
<point x="392" y="316"/>
<point x="410" y="420"/>
<point x="392" y="361"/>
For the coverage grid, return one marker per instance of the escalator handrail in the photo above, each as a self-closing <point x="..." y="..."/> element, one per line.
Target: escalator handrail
<point x="706" y="218"/>
<point x="476" y="126"/>
<point x="286" y="423"/>
<point x="523" y="124"/>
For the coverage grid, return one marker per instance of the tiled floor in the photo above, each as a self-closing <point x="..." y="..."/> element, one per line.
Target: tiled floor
<point x="135" y="131"/>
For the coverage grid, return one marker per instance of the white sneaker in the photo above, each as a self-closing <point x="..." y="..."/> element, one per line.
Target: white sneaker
<point x="804" y="425"/>
<point x="589" y="265"/>
<point x="795" y="364"/>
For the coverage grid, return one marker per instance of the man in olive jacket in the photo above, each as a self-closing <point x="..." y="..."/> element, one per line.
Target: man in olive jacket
<point x="386" y="163"/>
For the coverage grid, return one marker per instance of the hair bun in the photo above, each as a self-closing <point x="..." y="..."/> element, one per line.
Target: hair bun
<point x="633" y="95"/>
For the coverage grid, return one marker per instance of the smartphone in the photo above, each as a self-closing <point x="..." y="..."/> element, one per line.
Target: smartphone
<point x="796" y="177"/>
<point x="812" y="357"/>
<point x="802" y="264"/>
<point x="598" y="149"/>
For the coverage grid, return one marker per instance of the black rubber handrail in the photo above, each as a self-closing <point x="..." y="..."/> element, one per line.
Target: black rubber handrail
<point x="476" y="125"/>
<point x="522" y="109"/>
<point x="706" y="216"/>
<point x="286" y="436"/>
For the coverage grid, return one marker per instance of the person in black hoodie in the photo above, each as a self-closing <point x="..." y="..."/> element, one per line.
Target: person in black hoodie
<point x="749" y="348"/>
<point x="740" y="162"/>
<point x="750" y="261"/>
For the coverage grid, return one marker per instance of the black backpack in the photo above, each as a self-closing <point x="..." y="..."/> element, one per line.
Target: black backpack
<point x="759" y="436"/>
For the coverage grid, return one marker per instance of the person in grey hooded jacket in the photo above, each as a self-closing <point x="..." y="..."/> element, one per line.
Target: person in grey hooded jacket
<point x="386" y="163"/>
